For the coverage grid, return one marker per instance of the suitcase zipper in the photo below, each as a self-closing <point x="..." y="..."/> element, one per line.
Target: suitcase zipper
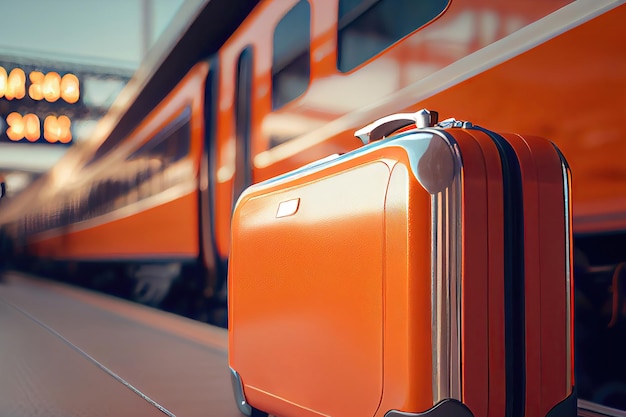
<point x="514" y="285"/>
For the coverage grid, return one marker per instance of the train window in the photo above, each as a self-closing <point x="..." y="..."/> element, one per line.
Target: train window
<point x="368" y="27"/>
<point x="175" y="145"/>
<point x="291" y="60"/>
<point x="170" y="144"/>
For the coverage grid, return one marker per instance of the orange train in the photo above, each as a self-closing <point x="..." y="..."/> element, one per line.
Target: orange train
<point x="292" y="83"/>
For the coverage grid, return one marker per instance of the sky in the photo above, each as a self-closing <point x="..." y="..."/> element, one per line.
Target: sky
<point x="110" y="33"/>
<point x="107" y="32"/>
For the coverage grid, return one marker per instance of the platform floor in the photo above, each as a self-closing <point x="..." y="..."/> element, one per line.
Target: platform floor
<point x="70" y="352"/>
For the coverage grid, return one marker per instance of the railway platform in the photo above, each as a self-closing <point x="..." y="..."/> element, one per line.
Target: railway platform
<point x="67" y="351"/>
<point x="72" y="352"/>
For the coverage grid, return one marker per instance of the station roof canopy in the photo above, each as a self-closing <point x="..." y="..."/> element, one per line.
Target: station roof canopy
<point x="126" y="54"/>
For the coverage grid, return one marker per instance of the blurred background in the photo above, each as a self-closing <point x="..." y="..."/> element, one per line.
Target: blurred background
<point x="101" y="43"/>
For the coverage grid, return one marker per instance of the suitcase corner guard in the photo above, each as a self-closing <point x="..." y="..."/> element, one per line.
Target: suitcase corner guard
<point x="445" y="408"/>
<point x="566" y="408"/>
<point x="240" y="398"/>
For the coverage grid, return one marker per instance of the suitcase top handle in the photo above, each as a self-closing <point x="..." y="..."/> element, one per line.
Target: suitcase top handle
<point x="389" y="124"/>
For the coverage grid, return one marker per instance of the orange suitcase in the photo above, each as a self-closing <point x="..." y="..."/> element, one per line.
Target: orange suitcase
<point x="427" y="273"/>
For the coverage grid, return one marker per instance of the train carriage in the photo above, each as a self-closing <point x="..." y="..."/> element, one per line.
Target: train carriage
<point x="291" y="84"/>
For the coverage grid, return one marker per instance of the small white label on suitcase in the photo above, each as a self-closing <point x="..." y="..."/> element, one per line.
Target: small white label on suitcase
<point x="288" y="208"/>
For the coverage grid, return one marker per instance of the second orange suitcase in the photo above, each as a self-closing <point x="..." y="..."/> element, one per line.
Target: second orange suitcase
<point x="427" y="273"/>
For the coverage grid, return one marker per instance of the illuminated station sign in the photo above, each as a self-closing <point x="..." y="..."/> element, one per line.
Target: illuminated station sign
<point x="26" y="96"/>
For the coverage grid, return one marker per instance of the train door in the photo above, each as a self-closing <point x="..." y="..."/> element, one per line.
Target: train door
<point x="232" y="172"/>
<point x="207" y="180"/>
<point x="600" y="289"/>
<point x="243" y="119"/>
<point x="213" y="200"/>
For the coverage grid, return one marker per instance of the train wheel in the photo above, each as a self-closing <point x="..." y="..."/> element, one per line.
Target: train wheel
<point x="153" y="282"/>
